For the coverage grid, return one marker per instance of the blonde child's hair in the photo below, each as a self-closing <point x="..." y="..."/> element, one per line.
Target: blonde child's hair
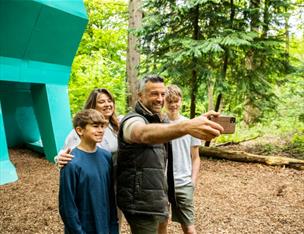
<point x="173" y="92"/>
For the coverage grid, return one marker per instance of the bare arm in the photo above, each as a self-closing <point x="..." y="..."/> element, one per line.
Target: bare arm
<point x="200" y="127"/>
<point x="196" y="162"/>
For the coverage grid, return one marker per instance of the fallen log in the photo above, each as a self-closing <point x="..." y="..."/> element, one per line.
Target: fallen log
<point x="242" y="156"/>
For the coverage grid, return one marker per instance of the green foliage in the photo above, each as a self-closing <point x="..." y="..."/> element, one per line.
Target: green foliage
<point x="296" y="145"/>
<point x="259" y="71"/>
<point x="237" y="47"/>
<point x="269" y="149"/>
<point x="285" y="125"/>
<point x="101" y="58"/>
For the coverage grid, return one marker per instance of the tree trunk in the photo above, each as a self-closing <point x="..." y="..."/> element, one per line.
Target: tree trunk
<point x="251" y="113"/>
<point x="266" y="19"/>
<point x="210" y="96"/>
<point x="216" y="108"/>
<point x="286" y="18"/>
<point x="241" y="156"/>
<point x="133" y="56"/>
<point x="194" y="82"/>
<point x="193" y="94"/>
<point x="255" y="15"/>
<point x="226" y="56"/>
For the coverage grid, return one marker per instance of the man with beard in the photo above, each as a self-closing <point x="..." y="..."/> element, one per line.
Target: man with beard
<point x="145" y="166"/>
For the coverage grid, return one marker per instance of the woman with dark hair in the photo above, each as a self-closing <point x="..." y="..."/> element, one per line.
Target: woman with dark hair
<point x="98" y="99"/>
<point x="102" y="101"/>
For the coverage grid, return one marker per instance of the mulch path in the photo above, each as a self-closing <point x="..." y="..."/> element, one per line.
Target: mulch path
<point x="230" y="197"/>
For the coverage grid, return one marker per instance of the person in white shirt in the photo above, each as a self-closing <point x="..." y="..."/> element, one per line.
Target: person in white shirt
<point x="186" y="164"/>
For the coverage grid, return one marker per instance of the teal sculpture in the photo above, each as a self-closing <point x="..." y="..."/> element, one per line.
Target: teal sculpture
<point x="38" y="41"/>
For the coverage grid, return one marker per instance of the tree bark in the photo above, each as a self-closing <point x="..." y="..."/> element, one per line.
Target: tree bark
<point x="133" y="56"/>
<point x="210" y="96"/>
<point x="266" y="22"/>
<point x="226" y="55"/>
<point x="195" y="36"/>
<point x="241" y="156"/>
<point x="193" y="93"/>
<point x="251" y="113"/>
<point x="286" y="18"/>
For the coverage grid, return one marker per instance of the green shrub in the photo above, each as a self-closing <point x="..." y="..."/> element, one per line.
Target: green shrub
<point x="268" y="149"/>
<point x="296" y="145"/>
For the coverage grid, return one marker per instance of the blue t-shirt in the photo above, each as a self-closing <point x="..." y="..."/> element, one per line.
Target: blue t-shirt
<point x="86" y="194"/>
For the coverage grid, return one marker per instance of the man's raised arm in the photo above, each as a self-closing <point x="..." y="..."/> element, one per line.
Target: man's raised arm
<point x="200" y="127"/>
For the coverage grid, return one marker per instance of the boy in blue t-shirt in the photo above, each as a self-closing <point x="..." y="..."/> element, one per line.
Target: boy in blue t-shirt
<point x="86" y="193"/>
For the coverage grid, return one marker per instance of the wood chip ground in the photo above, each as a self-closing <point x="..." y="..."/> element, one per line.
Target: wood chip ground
<point x="230" y="197"/>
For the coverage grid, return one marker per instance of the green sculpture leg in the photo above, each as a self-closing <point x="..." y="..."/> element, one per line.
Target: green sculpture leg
<point x="52" y="110"/>
<point x="7" y="170"/>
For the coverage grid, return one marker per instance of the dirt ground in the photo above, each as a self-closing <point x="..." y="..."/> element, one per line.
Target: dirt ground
<point x="230" y="197"/>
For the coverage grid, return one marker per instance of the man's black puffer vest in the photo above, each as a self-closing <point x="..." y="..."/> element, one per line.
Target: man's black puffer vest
<point x="141" y="180"/>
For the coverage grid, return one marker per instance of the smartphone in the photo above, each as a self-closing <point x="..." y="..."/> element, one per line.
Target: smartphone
<point x="227" y="122"/>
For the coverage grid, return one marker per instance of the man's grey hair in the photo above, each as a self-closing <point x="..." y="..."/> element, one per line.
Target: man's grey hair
<point x="151" y="78"/>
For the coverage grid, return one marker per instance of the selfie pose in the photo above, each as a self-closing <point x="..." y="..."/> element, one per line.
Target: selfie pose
<point x="144" y="175"/>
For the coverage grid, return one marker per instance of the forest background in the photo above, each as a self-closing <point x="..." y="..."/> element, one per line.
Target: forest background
<point x="247" y="55"/>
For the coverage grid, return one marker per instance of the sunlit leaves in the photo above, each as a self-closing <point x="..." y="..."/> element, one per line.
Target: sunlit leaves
<point x="100" y="60"/>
